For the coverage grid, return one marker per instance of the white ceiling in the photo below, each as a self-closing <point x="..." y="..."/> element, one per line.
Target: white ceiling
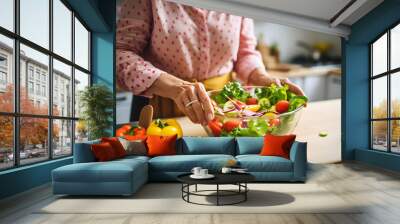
<point x="321" y="9"/>
<point x="315" y="15"/>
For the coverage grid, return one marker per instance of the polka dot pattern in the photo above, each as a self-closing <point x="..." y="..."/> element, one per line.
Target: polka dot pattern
<point x="157" y="36"/>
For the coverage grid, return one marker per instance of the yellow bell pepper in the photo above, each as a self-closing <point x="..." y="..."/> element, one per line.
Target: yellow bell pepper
<point x="166" y="127"/>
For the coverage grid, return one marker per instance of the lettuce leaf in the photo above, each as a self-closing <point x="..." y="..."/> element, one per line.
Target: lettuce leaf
<point x="273" y="93"/>
<point x="296" y="102"/>
<point x="233" y="90"/>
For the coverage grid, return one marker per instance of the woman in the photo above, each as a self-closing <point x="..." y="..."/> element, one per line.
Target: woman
<point x="173" y="53"/>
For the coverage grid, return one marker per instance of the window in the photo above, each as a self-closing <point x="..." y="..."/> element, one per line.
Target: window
<point x="3" y="72"/>
<point x="30" y="87"/>
<point x="34" y="128"/>
<point x="3" y="61"/>
<point x="30" y="72"/>
<point x="81" y="45"/>
<point x="385" y="94"/>
<point x="44" y="91"/>
<point x="38" y="74"/>
<point x="3" y="78"/>
<point x="7" y="14"/>
<point x="38" y="89"/>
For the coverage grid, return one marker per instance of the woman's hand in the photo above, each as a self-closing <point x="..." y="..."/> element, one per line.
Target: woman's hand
<point x="191" y="98"/>
<point x="259" y="77"/>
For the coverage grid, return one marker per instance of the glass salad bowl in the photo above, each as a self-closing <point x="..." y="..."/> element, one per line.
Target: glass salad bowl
<point x="254" y="111"/>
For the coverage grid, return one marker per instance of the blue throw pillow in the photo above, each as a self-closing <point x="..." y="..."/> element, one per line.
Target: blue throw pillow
<point x="208" y="145"/>
<point x="249" y="145"/>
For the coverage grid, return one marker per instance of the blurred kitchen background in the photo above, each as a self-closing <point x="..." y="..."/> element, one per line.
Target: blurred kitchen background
<point x="310" y="59"/>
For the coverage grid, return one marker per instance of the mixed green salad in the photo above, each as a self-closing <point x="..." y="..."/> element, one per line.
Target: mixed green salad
<point x="253" y="111"/>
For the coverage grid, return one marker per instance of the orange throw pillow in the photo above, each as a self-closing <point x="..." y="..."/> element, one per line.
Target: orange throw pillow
<point x="161" y="145"/>
<point x="277" y="145"/>
<point x="116" y="145"/>
<point x="103" y="152"/>
<point x="135" y="137"/>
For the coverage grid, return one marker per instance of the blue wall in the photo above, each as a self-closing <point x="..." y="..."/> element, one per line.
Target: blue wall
<point x="355" y="105"/>
<point x="99" y="15"/>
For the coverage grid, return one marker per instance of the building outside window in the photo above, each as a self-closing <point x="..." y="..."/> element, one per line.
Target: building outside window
<point x="385" y="94"/>
<point x="57" y="126"/>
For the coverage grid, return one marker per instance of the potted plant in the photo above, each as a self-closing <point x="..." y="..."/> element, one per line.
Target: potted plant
<point x="96" y="103"/>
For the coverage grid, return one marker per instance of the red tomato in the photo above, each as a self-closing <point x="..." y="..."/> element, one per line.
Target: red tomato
<point x="251" y="101"/>
<point x="216" y="127"/>
<point x="282" y="106"/>
<point x="231" y="124"/>
<point x="122" y="130"/>
<point x="274" y="122"/>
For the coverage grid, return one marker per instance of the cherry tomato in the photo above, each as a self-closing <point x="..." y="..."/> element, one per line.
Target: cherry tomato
<point x="251" y="101"/>
<point x="274" y="122"/>
<point x="231" y="124"/>
<point x="282" y="106"/>
<point x="216" y="127"/>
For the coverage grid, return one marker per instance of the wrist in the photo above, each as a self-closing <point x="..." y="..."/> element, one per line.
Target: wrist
<point x="259" y="77"/>
<point x="167" y="86"/>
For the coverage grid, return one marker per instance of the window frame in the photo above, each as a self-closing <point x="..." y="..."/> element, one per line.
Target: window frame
<point x="388" y="74"/>
<point x="16" y="115"/>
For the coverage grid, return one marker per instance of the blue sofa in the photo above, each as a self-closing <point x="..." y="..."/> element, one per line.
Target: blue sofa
<point x="125" y="176"/>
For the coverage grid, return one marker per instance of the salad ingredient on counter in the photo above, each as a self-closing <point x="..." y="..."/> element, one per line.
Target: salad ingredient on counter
<point x="130" y="130"/>
<point x="166" y="127"/>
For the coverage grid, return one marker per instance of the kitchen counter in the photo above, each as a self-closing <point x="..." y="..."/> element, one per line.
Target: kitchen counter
<point x="300" y="71"/>
<point x="317" y="116"/>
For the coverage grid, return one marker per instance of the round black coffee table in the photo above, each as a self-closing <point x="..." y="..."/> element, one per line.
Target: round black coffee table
<point x="238" y="179"/>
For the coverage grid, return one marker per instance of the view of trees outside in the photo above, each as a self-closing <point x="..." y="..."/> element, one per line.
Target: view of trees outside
<point x="34" y="81"/>
<point x="379" y="128"/>
<point x="33" y="131"/>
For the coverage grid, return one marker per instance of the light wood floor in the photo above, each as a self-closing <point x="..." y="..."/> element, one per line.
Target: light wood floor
<point x="378" y="189"/>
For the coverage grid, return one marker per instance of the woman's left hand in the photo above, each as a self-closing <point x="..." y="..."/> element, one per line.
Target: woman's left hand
<point x="260" y="77"/>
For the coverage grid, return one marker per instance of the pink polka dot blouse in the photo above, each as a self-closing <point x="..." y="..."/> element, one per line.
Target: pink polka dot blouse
<point x="157" y="36"/>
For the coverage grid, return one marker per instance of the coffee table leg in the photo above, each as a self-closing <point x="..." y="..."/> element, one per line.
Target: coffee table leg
<point x="245" y="193"/>
<point x="217" y="194"/>
<point x="195" y="189"/>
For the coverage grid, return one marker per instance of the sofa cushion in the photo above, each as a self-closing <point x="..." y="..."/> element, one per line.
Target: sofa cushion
<point x="208" y="145"/>
<point x="249" y="145"/>
<point x="277" y="145"/>
<point x="103" y="152"/>
<point x="185" y="163"/>
<point x="83" y="152"/>
<point x="161" y="145"/>
<point x="116" y="145"/>
<point x="257" y="163"/>
<point x="112" y="171"/>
